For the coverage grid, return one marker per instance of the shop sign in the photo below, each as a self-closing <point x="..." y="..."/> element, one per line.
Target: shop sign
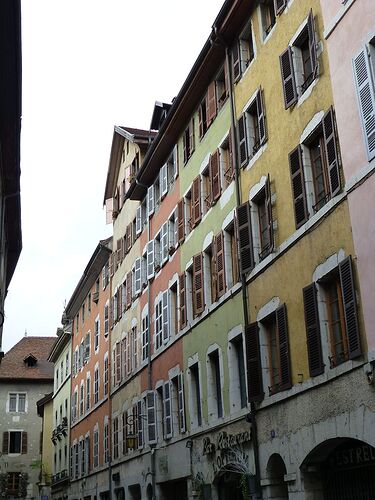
<point x="349" y="457"/>
<point x="225" y="441"/>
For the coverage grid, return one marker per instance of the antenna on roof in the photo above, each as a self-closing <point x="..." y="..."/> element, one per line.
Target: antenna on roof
<point x="25" y="332"/>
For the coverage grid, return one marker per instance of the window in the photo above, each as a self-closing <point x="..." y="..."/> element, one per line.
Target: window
<point x="207" y="109"/>
<point x="238" y="388"/>
<point x="75" y="405"/>
<point x="181" y="221"/>
<point x="196" y="408"/>
<point x="14" y="442"/>
<point x="106" y="325"/>
<point x="178" y="402"/>
<point x="230" y="255"/>
<point x="17" y="402"/>
<point x="188" y="141"/>
<point x="83" y="313"/>
<point x="215" y="401"/>
<point x="198" y="285"/>
<point x="88" y="392"/>
<point x="96" y="385"/>
<point x="226" y="161"/>
<point x="364" y="75"/>
<point x="145" y="338"/>
<point x="221" y="87"/>
<point x="106" y="441"/>
<point x="242" y="52"/>
<point x="151" y="417"/>
<point x="182" y="301"/>
<point x="136" y="277"/>
<point x="115" y="438"/>
<point x="13" y="484"/>
<point x="268" y="16"/>
<point x="106" y="374"/>
<point x="67" y="364"/>
<point x="173" y="310"/>
<point x="299" y="64"/>
<point x="195" y="203"/>
<point x="264" y="228"/>
<point x="96" y="447"/>
<point x="134" y="343"/>
<point x="159" y="322"/>
<point x="172" y="166"/>
<point x="105" y="275"/>
<point x="251" y="130"/>
<point x="117" y="363"/>
<point x="82" y="399"/>
<point x="164" y="243"/>
<point x="172" y="232"/>
<point x="77" y="322"/>
<point x="163" y="181"/>
<point x="167" y="410"/>
<point x="314" y="170"/>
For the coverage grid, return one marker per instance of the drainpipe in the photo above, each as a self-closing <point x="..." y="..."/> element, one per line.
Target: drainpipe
<point x="218" y="39"/>
<point x="109" y="420"/>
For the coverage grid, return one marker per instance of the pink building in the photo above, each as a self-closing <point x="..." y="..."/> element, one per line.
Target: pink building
<point x="349" y="29"/>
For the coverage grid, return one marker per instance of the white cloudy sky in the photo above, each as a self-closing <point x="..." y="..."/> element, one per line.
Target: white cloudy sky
<point x="87" y="65"/>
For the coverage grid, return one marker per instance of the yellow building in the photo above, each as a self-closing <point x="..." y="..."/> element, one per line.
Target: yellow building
<point x="45" y="410"/>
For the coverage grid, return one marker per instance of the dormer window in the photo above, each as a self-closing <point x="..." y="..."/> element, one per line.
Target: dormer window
<point x="30" y="360"/>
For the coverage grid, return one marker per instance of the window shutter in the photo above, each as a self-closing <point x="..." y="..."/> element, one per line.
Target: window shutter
<point x="164" y="180"/>
<point x="165" y="316"/>
<point x="220" y="264"/>
<point x="196" y="200"/>
<point x="236" y="61"/>
<point x="280" y="6"/>
<point x="269" y="212"/>
<point x="137" y="276"/>
<point x="167" y="410"/>
<point x="200" y="119"/>
<point x="314" y="345"/>
<point x="24" y="443"/>
<point x="288" y="78"/>
<point x="298" y="186"/>
<point x="214" y="295"/>
<point x="231" y="165"/>
<point x="118" y="362"/>
<point x="150" y="259"/>
<point x="175" y="161"/>
<point x="191" y="136"/>
<point x="128" y="289"/>
<point x="5" y="442"/>
<point x="111" y="264"/>
<point x="181" y="402"/>
<point x="282" y="329"/>
<point x="140" y="424"/>
<point x="350" y="307"/>
<point x="245" y="238"/>
<point x="254" y="367"/>
<point x="198" y="285"/>
<point x="151" y="417"/>
<point x="312" y="42"/>
<point x="138" y="220"/>
<point x="211" y="103"/>
<point x="331" y="152"/>
<point x="181" y="220"/>
<point x="214" y="168"/>
<point x="261" y="117"/>
<point x="164" y="242"/>
<point x="366" y="99"/>
<point x="242" y="140"/>
<point x="150" y="200"/>
<point x="182" y="299"/>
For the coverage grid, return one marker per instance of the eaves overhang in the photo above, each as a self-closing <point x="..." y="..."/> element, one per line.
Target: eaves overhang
<point x="61" y="342"/>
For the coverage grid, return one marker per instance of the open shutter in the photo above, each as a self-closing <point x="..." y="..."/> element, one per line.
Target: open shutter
<point x="279" y="6"/>
<point x="314" y="344"/>
<point x="181" y="220"/>
<point x="214" y="168"/>
<point x="245" y="238"/>
<point x="181" y="402"/>
<point x="140" y="424"/>
<point x="24" y="443"/>
<point x="164" y="242"/>
<point x="200" y="119"/>
<point x="242" y="141"/>
<point x="150" y="260"/>
<point x="191" y="136"/>
<point x="5" y="442"/>
<point x="254" y="367"/>
<point x="282" y="329"/>
<point x="175" y="161"/>
<point x="214" y="295"/>
<point x="220" y="264"/>
<point x="137" y="276"/>
<point x="261" y="117"/>
<point x="164" y="180"/>
<point x="165" y="316"/>
<point x="196" y="201"/>
<point x="350" y="307"/>
<point x="366" y="99"/>
<point x="128" y="238"/>
<point x="128" y="289"/>
<point x="151" y="417"/>
<point x="182" y="300"/>
<point x="118" y="362"/>
<point x="312" y="43"/>
<point x="150" y="200"/>
<point x="269" y="212"/>
<point x="138" y="220"/>
<point x="167" y="410"/>
<point x="236" y="61"/>
<point x="331" y="152"/>
<point x="288" y="78"/>
<point x="298" y="186"/>
<point x="231" y="165"/>
<point x="211" y="103"/>
<point x="198" y="285"/>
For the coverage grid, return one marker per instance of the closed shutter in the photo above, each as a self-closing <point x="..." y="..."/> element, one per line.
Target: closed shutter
<point x="24" y="443"/>
<point x="331" y="152"/>
<point x="124" y="432"/>
<point x="314" y="344"/>
<point x="118" y="362"/>
<point x="312" y="43"/>
<point x="167" y="410"/>
<point x="245" y="238"/>
<point x="5" y="442"/>
<point x="191" y="136"/>
<point x="214" y="295"/>
<point x="283" y="337"/>
<point x="214" y="168"/>
<point x="151" y="417"/>
<point x="165" y="316"/>
<point x="150" y="200"/>
<point x="211" y="103"/>
<point x="201" y="118"/>
<point x="181" y="220"/>
<point x="181" y="402"/>
<point x="298" y="186"/>
<point x="138" y="221"/>
<point x="350" y="307"/>
<point x="366" y="99"/>
<point x="164" y="242"/>
<point x="261" y="118"/>
<point x="242" y="141"/>
<point x="196" y="201"/>
<point x="182" y="300"/>
<point x="220" y="264"/>
<point x="254" y="367"/>
<point x="269" y="213"/>
<point x="164" y="180"/>
<point x="198" y="285"/>
<point x="128" y="289"/>
<point x="140" y="424"/>
<point x="150" y="260"/>
<point x="137" y="276"/>
<point x="288" y="78"/>
<point x="236" y="61"/>
<point x="280" y="6"/>
<point x="231" y="166"/>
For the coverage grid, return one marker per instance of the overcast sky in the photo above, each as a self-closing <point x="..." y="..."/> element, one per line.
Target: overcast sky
<point x="87" y="65"/>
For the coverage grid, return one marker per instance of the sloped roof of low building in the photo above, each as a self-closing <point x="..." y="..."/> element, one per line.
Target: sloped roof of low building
<point x="13" y="365"/>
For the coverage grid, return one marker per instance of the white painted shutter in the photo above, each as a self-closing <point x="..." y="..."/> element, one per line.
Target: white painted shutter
<point x="181" y="402"/>
<point x="164" y="242"/>
<point x="171" y="233"/>
<point x="138" y="221"/>
<point x="164" y="180"/>
<point x="165" y="316"/>
<point x="175" y="162"/>
<point x="366" y="99"/>
<point x="151" y="417"/>
<point x="150" y="200"/>
<point x="137" y="276"/>
<point x="150" y="259"/>
<point x="140" y="424"/>
<point x="167" y="410"/>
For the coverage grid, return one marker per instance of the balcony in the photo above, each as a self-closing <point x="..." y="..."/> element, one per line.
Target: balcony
<point x="60" y="477"/>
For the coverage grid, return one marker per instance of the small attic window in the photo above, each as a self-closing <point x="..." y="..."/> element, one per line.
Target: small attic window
<point x="30" y="360"/>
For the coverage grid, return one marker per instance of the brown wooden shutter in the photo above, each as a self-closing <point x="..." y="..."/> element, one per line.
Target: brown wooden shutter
<point x="128" y="237"/>
<point x="181" y="220"/>
<point x="242" y="141"/>
<point x="182" y="297"/>
<point x="185" y="145"/>
<point x="269" y="213"/>
<point x="236" y="61"/>
<point x="118" y="362"/>
<point x="214" y="169"/>
<point x="191" y="136"/>
<point x="128" y="289"/>
<point x="5" y="442"/>
<point x="245" y="238"/>
<point x="288" y="78"/>
<point x="24" y="443"/>
<point x="279" y="6"/>
<point x="282" y="329"/>
<point x="198" y="284"/>
<point x="314" y="344"/>
<point x="111" y="315"/>
<point x="119" y="302"/>
<point x="350" y="307"/>
<point x="231" y="165"/>
<point x="261" y="117"/>
<point x="214" y="273"/>
<point x="312" y="43"/>
<point x="298" y="186"/>
<point x="220" y="264"/>
<point x="211" y="103"/>
<point x="200" y="121"/>
<point x="196" y="201"/>
<point x="254" y="366"/>
<point x="331" y="152"/>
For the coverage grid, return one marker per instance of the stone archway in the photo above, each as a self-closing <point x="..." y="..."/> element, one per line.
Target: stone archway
<point x="277" y="488"/>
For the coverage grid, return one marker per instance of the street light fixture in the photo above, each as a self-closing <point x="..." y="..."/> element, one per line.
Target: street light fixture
<point x="131" y="438"/>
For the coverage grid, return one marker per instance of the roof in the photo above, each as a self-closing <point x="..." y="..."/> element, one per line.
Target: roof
<point x="13" y="366"/>
<point x="42" y="402"/>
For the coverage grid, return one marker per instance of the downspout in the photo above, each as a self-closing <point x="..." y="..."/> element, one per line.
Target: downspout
<point x="109" y="418"/>
<point x="218" y="39"/>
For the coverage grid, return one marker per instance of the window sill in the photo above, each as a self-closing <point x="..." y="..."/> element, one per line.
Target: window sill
<point x="255" y="157"/>
<point x="303" y="97"/>
<point x="268" y="35"/>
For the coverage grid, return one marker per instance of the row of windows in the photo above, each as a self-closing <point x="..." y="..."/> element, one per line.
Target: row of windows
<point x="93" y="296"/>
<point x="82" y="451"/>
<point x="62" y="372"/>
